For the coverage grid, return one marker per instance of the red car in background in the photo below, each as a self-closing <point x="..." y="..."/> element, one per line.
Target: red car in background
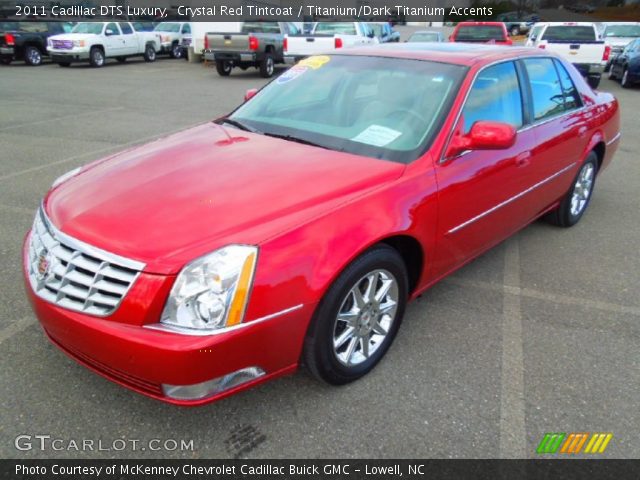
<point x="296" y="229"/>
<point x="481" y="32"/>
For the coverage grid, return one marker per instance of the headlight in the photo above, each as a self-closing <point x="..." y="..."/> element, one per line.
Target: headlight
<point x="212" y="291"/>
<point x="78" y="43"/>
<point x="63" y="178"/>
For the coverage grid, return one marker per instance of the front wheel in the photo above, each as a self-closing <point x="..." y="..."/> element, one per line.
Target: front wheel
<point x="358" y="318"/>
<point x="96" y="57"/>
<point x="149" y="54"/>
<point x="176" y="51"/>
<point x="577" y="200"/>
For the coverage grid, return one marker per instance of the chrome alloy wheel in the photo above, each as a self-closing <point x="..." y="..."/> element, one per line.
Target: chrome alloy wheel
<point x="582" y="189"/>
<point x="365" y="317"/>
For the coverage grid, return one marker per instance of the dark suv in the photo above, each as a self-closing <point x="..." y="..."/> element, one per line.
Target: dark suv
<point x="27" y="40"/>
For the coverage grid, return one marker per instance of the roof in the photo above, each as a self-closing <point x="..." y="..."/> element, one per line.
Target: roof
<point x="447" y="52"/>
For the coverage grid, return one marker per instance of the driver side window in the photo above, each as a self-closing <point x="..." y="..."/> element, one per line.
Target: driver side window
<point x="495" y="96"/>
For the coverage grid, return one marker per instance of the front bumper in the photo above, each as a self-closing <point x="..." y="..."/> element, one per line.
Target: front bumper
<point x="235" y="57"/>
<point x="144" y="359"/>
<point x="69" y="56"/>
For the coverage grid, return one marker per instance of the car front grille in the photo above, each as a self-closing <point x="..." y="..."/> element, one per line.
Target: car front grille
<point x="75" y="275"/>
<point x="62" y="44"/>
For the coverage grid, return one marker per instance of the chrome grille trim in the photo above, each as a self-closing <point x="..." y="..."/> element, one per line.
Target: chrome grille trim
<point x="74" y="275"/>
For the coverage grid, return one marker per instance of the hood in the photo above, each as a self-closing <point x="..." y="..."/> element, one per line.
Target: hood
<point x="180" y="197"/>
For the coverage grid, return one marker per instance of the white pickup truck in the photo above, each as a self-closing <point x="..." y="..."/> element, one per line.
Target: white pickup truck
<point x="578" y="42"/>
<point x="171" y="35"/>
<point x="328" y="36"/>
<point x="95" y="42"/>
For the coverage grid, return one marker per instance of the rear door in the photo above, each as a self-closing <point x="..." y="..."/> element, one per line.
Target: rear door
<point x="481" y="192"/>
<point x="560" y="125"/>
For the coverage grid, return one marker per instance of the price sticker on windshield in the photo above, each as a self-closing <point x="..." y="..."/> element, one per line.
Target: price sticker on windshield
<point x="314" y="62"/>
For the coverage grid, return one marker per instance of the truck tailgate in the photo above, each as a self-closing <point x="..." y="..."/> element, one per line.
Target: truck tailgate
<point x="588" y="53"/>
<point x="228" y="42"/>
<point x="305" y="45"/>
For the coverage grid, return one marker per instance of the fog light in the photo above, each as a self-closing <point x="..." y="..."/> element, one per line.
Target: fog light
<point x="212" y="387"/>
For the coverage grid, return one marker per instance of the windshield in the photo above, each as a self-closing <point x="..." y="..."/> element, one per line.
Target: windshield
<point x="424" y="37"/>
<point x="622" y="31"/>
<point x="379" y="107"/>
<point x="566" y="33"/>
<point x="479" y="33"/>
<point x="94" y="28"/>
<point x="168" y="27"/>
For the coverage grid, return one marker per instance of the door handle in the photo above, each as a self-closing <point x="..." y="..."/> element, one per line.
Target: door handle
<point x="523" y="159"/>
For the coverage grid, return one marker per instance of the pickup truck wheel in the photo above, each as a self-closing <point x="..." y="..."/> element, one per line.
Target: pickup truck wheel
<point x="624" y="81"/>
<point x="594" y="81"/>
<point x="149" y="54"/>
<point x="96" y="57"/>
<point x="577" y="200"/>
<point x="223" y="67"/>
<point x="267" y="66"/>
<point x="32" y="56"/>
<point x="358" y="318"/>
<point x="176" y="51"/>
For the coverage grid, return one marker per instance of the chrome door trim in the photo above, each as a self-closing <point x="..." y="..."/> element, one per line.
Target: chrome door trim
<point x="511" y="199"/>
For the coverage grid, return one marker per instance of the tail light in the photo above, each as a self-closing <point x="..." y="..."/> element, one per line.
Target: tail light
<point x="206" y="42"/>
<point x="9" y="39"/>
<point x="542" y="46"/>
<point x="606" y="54"/>
<point x="285" y="44"/>
<point x="254" y="43"/>
<point x="337" y="43"/>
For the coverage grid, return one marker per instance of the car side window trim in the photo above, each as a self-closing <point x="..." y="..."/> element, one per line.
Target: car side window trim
<point x="558" y="66"/>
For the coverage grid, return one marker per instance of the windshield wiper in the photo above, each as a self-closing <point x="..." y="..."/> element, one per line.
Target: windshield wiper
<point x="292" y="138"/>
<point x="237" y="124"/>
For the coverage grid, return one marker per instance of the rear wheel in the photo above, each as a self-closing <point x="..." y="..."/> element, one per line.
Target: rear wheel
<point x="223" y="67"/>
<point x="625" y="81"/>
<point x="358" y="318"/>
<point x="267" y="66"/>
<point x="96" y="57"/>
<point x="32" y="56"/>
<point x="176" y="51"/>
<point x="594" y="81"/>
<point x="577" y="200"/>
<point x="149" y="54"/>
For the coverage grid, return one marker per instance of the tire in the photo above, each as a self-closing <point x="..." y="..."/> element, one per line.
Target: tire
<point x="349" y="361"/>
<point x="594" y="81"/>
<point x="32" y="56"/>
<point x="5" y="61"/>
<point x="267" y="66"/>
<point x="121" y="59"/>
<point x="96" y="57"/>
<point x="577" y="200"/>
<point x="64" y="64"/>
<point x="224" y="68"/>
<point x="624" y="80"/>
<point x="149" y="53"/>
<point x="176" y="51"/>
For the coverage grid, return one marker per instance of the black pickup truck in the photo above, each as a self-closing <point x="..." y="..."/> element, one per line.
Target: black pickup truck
<point x="27" y="40"/>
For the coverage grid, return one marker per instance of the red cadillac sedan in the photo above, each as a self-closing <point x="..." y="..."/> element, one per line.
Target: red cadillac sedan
<point x="296" y="229"/>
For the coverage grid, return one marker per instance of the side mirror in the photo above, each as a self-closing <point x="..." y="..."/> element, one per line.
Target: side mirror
<point x="109" y="32"/>
<point x="484" y="135"/>
<point x="249" y="94"/>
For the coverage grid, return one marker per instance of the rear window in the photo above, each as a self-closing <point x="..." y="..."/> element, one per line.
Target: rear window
<point x="260" y="27"/>
<point x="343" y="28"/>
<point x="479" y="33"/>
<point x="569" y="33"/>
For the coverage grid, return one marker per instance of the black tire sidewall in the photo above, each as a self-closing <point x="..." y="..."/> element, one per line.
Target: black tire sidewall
<point x="264" y="66"/>
<point x="320" y="336"/>
<point x="28" y="60"/>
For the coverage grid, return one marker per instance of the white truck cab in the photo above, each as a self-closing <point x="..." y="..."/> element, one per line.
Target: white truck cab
<point x="171" y="35"/>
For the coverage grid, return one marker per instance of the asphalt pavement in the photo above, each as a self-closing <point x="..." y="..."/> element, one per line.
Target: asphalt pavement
<point x="541" y="334"/>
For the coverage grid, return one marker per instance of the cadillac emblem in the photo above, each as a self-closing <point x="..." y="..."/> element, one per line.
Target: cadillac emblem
<point x="43" y="265"/>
